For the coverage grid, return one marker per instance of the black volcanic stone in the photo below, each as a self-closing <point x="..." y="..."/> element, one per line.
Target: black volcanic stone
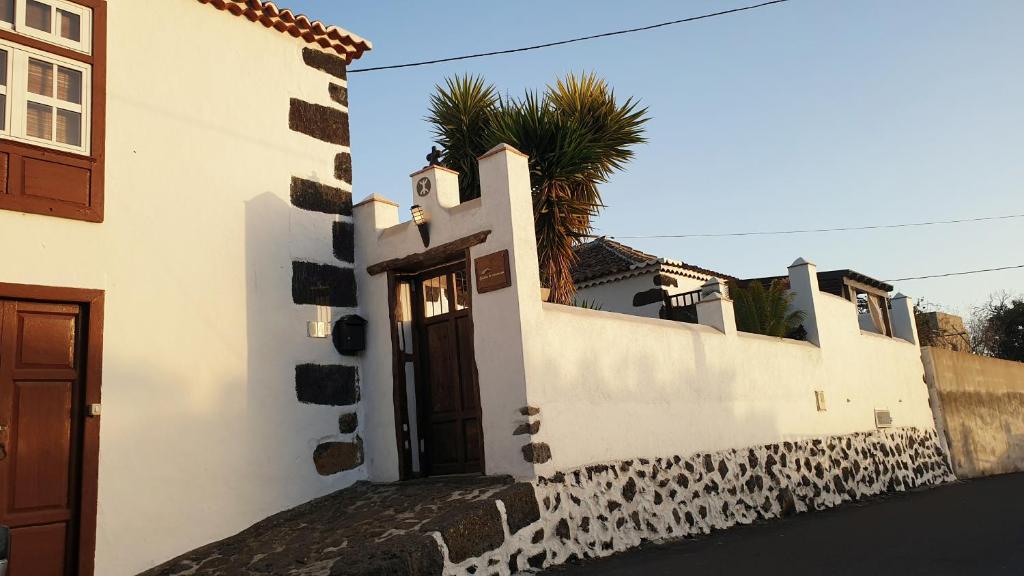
<point x="521" y="506"/>
<point x="562" y="529"/>
<point x="537" y="560"/>
<point x="629" y="490"/>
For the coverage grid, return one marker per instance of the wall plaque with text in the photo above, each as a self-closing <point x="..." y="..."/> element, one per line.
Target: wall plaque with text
<point x="492" y="272"/>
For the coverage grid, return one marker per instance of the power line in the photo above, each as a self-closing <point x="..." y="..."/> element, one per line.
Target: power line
<point x="569" y="41"/>
<point x="957" y="273"/>
<point x="816" y="230"/>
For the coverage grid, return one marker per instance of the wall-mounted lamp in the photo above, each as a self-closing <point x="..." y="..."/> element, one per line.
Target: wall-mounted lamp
<point x="321" y="327"/>
<point x="422" y="221"/>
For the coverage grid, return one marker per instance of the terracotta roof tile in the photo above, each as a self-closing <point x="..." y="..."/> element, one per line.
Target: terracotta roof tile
<point x="316" y="32"/>
<point x="604" y="257"/>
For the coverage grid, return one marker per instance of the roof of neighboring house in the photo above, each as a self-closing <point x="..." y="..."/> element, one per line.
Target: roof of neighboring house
<point x="831" y="281"/>
<point x="604" y="257"/>
<point x="345" y="43"/>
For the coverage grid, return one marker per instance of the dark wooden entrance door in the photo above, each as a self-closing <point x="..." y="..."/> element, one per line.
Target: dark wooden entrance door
<point x="40" y="444"/>
<point x="447" y="392"/>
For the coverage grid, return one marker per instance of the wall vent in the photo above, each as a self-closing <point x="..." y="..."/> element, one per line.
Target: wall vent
<point x="883" y="419"/>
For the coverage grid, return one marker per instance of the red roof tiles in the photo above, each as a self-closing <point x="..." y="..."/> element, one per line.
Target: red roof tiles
<point x="345" y="43"/>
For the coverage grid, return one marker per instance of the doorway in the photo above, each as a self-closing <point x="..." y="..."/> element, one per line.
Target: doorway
<point x="48" y="441"/>
<point x="440" y="407"/>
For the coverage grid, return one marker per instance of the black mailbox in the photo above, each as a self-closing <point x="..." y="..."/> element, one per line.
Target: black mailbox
<point x="350" y="335"/>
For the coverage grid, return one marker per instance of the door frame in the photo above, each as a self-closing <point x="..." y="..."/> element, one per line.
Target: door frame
<point x="401" y="400"/>
<point x="92" y="302"/>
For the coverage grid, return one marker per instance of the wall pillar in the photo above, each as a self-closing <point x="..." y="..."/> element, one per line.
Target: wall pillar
<point x="715" y="308"/>
<point x="904" y="325"/>
<point x="502" y="318"/>
<point x="803" y="282"/>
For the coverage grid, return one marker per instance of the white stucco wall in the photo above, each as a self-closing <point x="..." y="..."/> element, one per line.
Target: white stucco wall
<point x="613" y="386"/>
<point x="505" y="209"/>
<point x="201" y="430"/>
<point x="617" y="295"/>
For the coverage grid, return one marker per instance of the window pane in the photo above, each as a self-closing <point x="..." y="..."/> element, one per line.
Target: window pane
<point x="37" y="15"/>
<point x="7" y="11"/>
<point x="461" y="291"/>
<point x="69" y="85"/>
<point x="39" y="121"/>
<point x="3" y="112"/>
<point x="70" y="25"/>
<point x="40" y="77"/>
<point x="69" y="127"/>
<point x="3" y="68"/>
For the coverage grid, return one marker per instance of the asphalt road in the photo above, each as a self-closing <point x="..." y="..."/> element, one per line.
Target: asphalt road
<point x="974" y="527"/>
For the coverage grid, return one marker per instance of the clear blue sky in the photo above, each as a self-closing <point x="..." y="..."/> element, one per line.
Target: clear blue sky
<point x="813" y="113"/>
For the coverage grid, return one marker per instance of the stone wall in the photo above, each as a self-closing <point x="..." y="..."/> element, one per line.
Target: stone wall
<point x="328" y="283"/>
<point x="978" y="404"/>
<point x="602" y="509"/>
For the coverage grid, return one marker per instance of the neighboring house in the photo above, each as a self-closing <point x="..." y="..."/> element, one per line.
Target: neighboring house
<point x="620" y="278"/>
<point x="870" y="295"/>
<point x="175" y="200"/>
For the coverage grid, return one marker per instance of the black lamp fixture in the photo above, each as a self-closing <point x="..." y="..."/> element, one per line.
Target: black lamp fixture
<point x="422" y="221"/>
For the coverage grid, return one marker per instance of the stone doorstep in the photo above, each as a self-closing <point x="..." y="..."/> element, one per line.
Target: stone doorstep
<point x="369" y="529"/>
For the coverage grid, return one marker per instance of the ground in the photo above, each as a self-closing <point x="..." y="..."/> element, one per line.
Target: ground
<point x="974" y="527"/>
<point x="368" y="529"/>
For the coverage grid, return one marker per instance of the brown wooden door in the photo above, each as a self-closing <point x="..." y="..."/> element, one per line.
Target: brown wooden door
<point x="41" y="414"/>
<point x="447" y="390"/>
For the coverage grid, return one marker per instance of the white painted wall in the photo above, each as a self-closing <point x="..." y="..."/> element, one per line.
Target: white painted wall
<point x="201" y="431"/>
<point x="505" y="208"/>
<point x="612" y="386"/>
<point x="617" y="295"/>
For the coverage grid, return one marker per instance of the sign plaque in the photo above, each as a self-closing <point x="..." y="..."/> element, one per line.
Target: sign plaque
<point x="492" y="272"/>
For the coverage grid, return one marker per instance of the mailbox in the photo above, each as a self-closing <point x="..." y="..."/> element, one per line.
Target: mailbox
<point x="350" y="335"/>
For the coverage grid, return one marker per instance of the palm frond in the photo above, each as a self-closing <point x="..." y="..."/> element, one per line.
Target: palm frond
<point x="767" y="311"/>
<point x="575" y="134"/>
<point x="461" y="113"/>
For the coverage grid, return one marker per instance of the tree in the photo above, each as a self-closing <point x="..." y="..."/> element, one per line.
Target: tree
<point x="997" y="327"/>
<point x="576" y="135"/>
<point x="766" y="311"/>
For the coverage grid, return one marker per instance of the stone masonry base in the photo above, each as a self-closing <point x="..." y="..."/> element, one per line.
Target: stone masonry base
<point x="602" y="509"/>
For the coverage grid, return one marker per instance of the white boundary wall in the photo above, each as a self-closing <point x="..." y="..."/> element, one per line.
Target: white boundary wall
<point x="611" y="386"/>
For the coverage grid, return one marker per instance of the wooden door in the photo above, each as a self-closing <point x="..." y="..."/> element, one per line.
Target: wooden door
<point x="447" y="390"/>
<point x="40" y="444"/>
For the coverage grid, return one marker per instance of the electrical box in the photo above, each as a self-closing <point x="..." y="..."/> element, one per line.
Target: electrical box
<point x="350" y="335"/>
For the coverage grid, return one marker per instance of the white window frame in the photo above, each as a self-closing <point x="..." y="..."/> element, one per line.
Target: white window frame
<point x="6" y="91"/>
<point x="84" y="45"/>
<point x="18" y="97"/>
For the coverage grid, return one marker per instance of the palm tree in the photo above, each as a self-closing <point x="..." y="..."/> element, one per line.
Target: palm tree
<point x="576" y="135"/>
<point x="765" y="310"/>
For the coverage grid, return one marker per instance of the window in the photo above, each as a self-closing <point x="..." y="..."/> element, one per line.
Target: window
<point x="55" y="21"/>
<point x="44" y="95"/>
<point x="52" y="107"/>
<point x="44" y="98"/>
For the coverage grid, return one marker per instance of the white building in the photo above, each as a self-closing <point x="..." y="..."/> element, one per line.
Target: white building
<point x="174" y="199"/>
